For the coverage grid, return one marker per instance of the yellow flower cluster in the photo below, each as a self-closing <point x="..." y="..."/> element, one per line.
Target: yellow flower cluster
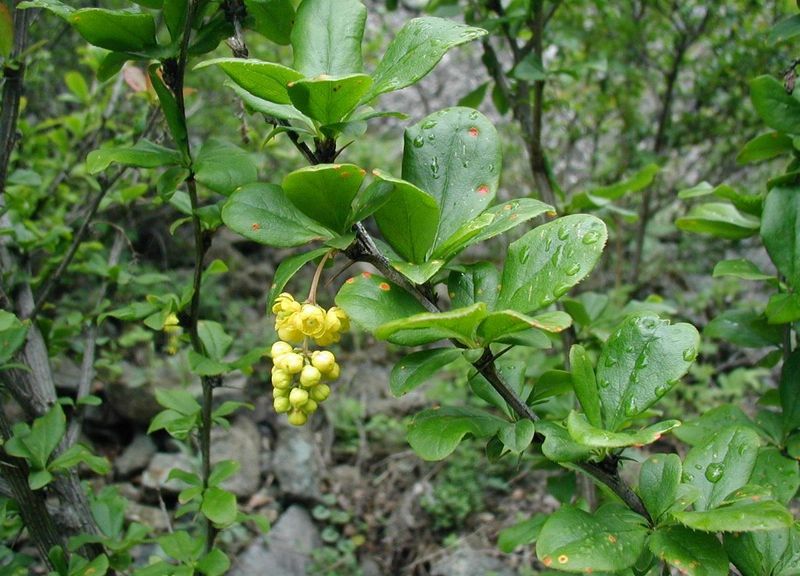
<point x="296" y="321"/>
<point x="299" y="376"/>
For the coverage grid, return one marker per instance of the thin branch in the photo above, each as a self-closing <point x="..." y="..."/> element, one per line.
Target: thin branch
<point x="89" y="348"/>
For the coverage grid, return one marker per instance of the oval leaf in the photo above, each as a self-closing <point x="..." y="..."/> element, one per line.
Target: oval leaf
<point x="549" y="260"/>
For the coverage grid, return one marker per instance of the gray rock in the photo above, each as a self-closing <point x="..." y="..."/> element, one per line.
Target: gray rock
<point x="295" y="465"/>
<point x="152" y="516"/>
<point x="288" y="551"/>
<point x="241" y="442"/>
<point x="155" y="477"/>
<point x="136" y="456"/>
<point x="464" y="560"/>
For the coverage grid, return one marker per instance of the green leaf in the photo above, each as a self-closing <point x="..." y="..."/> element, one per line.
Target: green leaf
<point x="6" y="32"/>
<point x="639" y="181"/>
<point x="415" y="369"/>
<point x="740" y="268"/>
<point x="752" y="204"/>
<point x="38" y="479"/>
<point x="45" y="434"/>
<point x="777" y="472"/>
<point x="741" y="517"/>
<point x="478" y="282"/>
<point x="329" y="99"/>
<point x="435" y="434"/>
<point x="326" y="37"/>
<point x="12" y="335"/>
<point x="179" y="545"/>
<point x="55" y="6"/>
<point x="784" y="30"/>
<point x="263" y="80"/>
<point x="370" y="198"/>
<point x="223" y="167"/>
<point x="418" y="273"/>
<point x="454" y="155"/>
<point x="698" y="431"/>
<point x="143" y="154"/>
<point x="780" y="232"/>
<point x="272" y="19"/>
<point x="779" y="110"/>
<point x="546" y="262"/>
<point x="300" y="122"/>
<point x="371" y="301"/>
<point x="491" y="223"/>
<point x="744" y="328"/>
<point x="559" y="446"/>
<point x="216" y="342"/>
<point x="517" y="436"/>
<point x="475" y="98"/>
<point x="175" y="12"/>
<point x="588" y="435"/>
<point x="693" y="553"/>
<point x="521" y="534"/>
<point x="721" y="464"/>
<point x="775" y="552"/>
<point x="215" y="563"/>
<point x="659" y="478"/>
<point x="181" y="401"/>
<point x="585" y="384"/>
<point x="116" y="30"/>
<point x="325" y="192"/>
<point x="408" y="220"/>
<point x="460" y="324"/>
<point x="79" y="454"/>
<point x="169" y="106"/>
<point x="789" y="389"/>
<point x="765" y="147"/>
<point x="287" y="269"/>
<point x="219" y="506"/>
<point x="783" y="308"/>
<point x="417" y="48"/>
<point x="222" y="471"/>
<point x="720" y="220"/>
<point x="641" y="361"/>
<point x="262" y="213"/>
<point x="499" y="325"/>
<point x="610" y="540"/>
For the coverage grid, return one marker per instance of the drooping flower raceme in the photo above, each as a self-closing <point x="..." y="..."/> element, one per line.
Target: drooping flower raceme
<point x="300" y="376"/>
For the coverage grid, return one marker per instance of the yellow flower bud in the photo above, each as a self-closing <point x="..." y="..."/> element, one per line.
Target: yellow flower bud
<point x="338" y="317"/>
<point x="289" y="333"/>
<point x="297" y="418"/>
<point x="327" y="339"/>
<point x="171" y="323"/>
<point x="323" y="360"/>
<point x="280" y="392"/>
<point x="334" y="372"/>
<point x="281" y="405"/>
<point x="291" y="362"/>
<point x="309" y="407"/>
<point x="285" y="304"/>
<point x="280" y="348"/>
<point x="310" y="320"/>
<point x="280" y="378"/>
<point x="320" y="392"/>
<point x="298" y="397"/>
<point x="310" y="376"/>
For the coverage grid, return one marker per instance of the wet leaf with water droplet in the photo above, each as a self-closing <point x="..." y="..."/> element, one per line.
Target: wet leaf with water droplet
<point x="648" y="358"/>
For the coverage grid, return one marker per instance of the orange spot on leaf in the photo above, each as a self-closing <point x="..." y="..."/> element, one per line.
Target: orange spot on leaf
<point x="367" y="274"/>
<point x="483" y="189"/>
<point x="612" y="538"/>
<point x="256" y="227"/>
<point x="473" y="132"/>
<point x="350" y="280"/>
<point x="384" y="286"/>
<point x="547" y="561"/>
<point x="563" y="559"/>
